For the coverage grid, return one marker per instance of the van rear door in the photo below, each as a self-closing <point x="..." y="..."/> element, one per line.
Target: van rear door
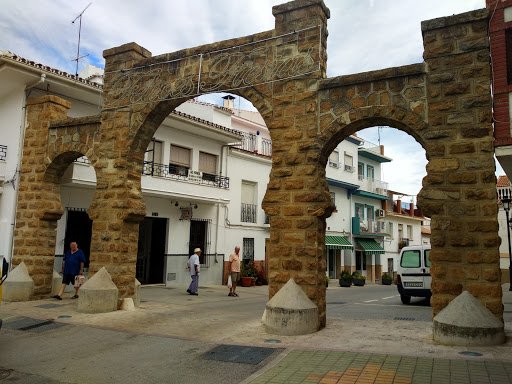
<point x="427" y="279"/>
<point x="413" y="270"/>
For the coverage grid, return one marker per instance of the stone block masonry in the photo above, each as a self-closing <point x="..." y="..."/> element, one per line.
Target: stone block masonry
<point x="444" y="103"/>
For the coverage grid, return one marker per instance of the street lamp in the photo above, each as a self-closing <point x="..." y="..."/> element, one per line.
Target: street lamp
<point x="506" y="200"/>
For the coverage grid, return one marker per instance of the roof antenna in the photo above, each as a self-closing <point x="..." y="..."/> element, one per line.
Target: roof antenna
<point x="78" y="57"/>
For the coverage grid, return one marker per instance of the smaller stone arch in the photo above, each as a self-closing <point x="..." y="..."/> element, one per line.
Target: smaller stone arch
<point x="357" y="119"/>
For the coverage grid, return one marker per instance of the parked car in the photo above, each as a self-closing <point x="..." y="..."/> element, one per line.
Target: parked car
<point x="413" y="279"/>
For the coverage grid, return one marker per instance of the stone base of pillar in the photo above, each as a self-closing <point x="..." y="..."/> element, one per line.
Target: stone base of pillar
<point x="18" y="286"/>
<point x="136" y="296"/>
<point x="99" y="294"/>
<point x="291" y="312"/>
<point x="478" y="326"/>
<point x="56" y="282"/>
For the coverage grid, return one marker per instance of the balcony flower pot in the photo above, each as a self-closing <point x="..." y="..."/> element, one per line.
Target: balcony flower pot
<point x="345" y="279"/>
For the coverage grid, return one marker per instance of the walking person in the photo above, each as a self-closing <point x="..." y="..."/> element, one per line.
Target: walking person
<point x="193" y="266"/>
<point x="73" y="265"/>
<point x="234" y="270"/>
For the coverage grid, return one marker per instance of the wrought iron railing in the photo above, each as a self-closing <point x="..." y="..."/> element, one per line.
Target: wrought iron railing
<point x="248" y="213"/>
<point x="181" y="173"/>
<point x="3" y="152"/>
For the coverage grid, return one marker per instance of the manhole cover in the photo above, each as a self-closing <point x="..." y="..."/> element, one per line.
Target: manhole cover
<point x="337" y="302"/>
<point x="64" y="317"/>
<point x="238" y="354"/>
<point x="29" y="324"/>
<point x="272" y="341"/>
<point x="404" y="318"/>
<point x="470" y="353"/>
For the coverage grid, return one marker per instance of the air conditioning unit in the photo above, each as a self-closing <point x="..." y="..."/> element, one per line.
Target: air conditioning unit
<point x="380" y="213"/>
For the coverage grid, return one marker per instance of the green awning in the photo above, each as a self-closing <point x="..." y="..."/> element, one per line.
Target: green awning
<point x="370" y="246"/>
<point x="337" y="242"/>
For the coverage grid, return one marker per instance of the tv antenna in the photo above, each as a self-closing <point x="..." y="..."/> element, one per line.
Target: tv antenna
<point x="78" y="57"/>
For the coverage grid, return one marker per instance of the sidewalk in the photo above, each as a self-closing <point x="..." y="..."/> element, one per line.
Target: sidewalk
<point x="346" y="351"/>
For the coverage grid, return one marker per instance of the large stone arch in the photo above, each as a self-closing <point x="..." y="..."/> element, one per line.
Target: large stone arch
<point x="444" y="103"/>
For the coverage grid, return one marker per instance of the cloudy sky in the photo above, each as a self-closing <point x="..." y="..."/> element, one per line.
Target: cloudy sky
<point x="363" y="35"/>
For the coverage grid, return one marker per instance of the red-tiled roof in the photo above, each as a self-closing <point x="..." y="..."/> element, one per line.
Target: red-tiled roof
<point x="6" y="55"/>
<point x="503" y="181"/>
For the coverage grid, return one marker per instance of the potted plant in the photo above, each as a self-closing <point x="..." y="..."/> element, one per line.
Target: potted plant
<point x="261" y="279"/>
<point x="358" y="279"/>
<point x="345" y="279"/>
<point x="248" y="273"/>
<point x="386" y="279"/>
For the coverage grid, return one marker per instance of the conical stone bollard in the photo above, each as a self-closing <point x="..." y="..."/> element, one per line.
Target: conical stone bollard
<point x="98" y="294"/>
<point x="18" y="286"/>
<point x="291" y="312"/>
<point x="466" y="321"/>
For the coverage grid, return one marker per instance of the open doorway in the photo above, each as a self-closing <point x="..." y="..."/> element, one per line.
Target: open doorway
<point x="151" y="251"/>
<point x="79" y="229"/>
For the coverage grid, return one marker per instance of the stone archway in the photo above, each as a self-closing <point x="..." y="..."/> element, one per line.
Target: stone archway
<point x="444" y="103"/>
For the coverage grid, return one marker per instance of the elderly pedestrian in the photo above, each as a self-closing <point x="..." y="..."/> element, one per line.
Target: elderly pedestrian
<point x="193" y="266"/>
<point x="234" y="270"/>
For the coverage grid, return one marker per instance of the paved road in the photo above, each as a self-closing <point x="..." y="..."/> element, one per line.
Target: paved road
<point x="374" y="302"/>
<point x="212" y="338"/>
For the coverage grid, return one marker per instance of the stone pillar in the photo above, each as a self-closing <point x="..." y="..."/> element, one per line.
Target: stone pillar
<point x="297" y="198"/>
<point x="38" y="205"/>
<point x="459" y="192"/>
<point x="118" y="206"/>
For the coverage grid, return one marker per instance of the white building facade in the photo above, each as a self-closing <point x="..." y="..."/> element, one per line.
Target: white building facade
<point x="204" y="177"/>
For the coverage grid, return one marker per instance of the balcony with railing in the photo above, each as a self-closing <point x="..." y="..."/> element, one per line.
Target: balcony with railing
<point x="255" y="144"/>
<point x="372" y="185"/>
<point x="403" y="242"/>
<point x="248" y="213"/>
<point x="266" y="147"/>
<point x="368" y="226"/>
<point x="184" y="174"/>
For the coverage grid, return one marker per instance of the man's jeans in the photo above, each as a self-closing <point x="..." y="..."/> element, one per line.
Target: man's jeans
<point x="194" y="284"/>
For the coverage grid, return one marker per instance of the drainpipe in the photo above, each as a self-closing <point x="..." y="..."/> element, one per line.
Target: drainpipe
<point x="21" y="138"/>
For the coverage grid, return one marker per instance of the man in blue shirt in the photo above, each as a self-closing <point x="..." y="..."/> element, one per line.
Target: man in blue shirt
<point x="73" y="265"/>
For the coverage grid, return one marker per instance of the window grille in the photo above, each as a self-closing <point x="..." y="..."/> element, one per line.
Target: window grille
<point x="248" y="248"/>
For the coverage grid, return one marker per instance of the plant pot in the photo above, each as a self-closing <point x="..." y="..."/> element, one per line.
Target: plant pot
<point x="345" y="282"/>
<point x="246" y="281"/>
<point x="358" y="282"/>
<point x="386" y="282"/>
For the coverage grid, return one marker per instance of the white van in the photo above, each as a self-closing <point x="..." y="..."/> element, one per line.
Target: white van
<point x="413" y="277"/>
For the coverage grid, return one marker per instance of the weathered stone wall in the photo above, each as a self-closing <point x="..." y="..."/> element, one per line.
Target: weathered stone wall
<point x="459" y="192"/>
<point x="443" y="103"/>
<point x="38" y="202"/>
